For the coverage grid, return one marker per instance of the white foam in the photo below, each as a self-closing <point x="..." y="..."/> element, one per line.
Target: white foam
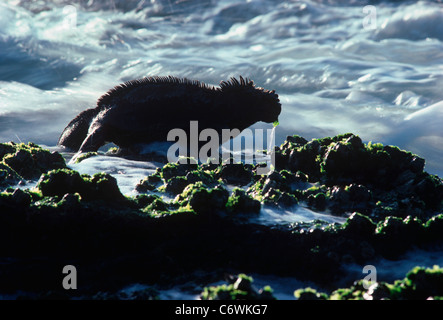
<point x="391" y="270"/>
<point x="272" y="216"/>
<point x="422" y="133"/>
<point x="127" y="172"/>
<point x="416" y="21"/>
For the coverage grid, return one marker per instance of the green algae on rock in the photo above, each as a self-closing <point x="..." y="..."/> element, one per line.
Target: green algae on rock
<point x="175" y="169"/>
<point x="100" y="186"/>
<point x="240" y="202"/>
<point x="278" y="188"/>
<point x="344" y="159"/>
<point x="82" y="218"/>
<point x="236" y="173"/>
<point x="174" y="177"/>
<point x="239" y="288"/>
<point x="203" y="200"/>
<point x="309" y="294"/>
<point x="374" y="179"/>
<point x="8" y="176"/>
<point x="150" y="182"/>
<point x="420" y="283"/>
<point x="26" y="162"/>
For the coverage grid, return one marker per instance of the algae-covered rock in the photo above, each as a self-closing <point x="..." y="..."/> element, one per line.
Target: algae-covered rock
<point x="317" y="201"/>
<point x="157" y="206"/>
<point x="143" y="200"/>
<point x="372" y="178"/>
<point x="299" y="157"/>
<point x="390" y="210"/>
<point x="309" y="294"/>
<point x="337" y="174"/>
<point x="429" y="188"/>
<point x="8" y="176"/>
<point x="7" y="148"/>
<point x="60" y="182"/>
<point x="173" y="178"/>
<point x="26" y="161"/>
<point x="149" y="183"/>
<point x="176" y="185"/>
<point x="202" y="199"/>
<point x="100" y="186"/>
<point x="359" y="225"/>
<point x="237" y="173"/>
<point x="70" y="201"/>
<point x="15" y="199"/>
<point x="345" y="159"/>
<point x="23" y="163"/>
<point x="239" y="288"/>
<point x="240" y="202"/>
<point x="420" y="283"/>
<point x="207" y="177"/>
<point x="105" y="187"/>
<point x="173" y="169"/>
<point x="21" y="198"/>
<point x="277" y="189"/>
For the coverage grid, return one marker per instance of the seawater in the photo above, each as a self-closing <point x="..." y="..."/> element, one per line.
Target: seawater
<point x="335" y="68"/>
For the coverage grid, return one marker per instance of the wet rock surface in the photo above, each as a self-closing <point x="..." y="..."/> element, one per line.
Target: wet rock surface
<point x="238" y="288"/>
<point x="21" y="162"/>
<point x="390" y="204"/>
<point x="419" y="284"/>
<point x="373" y="179"/>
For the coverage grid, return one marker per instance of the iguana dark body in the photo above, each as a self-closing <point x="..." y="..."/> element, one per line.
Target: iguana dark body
<point x="145" y="110"/>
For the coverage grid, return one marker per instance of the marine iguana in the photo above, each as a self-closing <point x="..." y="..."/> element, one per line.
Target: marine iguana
<point x="143" y="111"/>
